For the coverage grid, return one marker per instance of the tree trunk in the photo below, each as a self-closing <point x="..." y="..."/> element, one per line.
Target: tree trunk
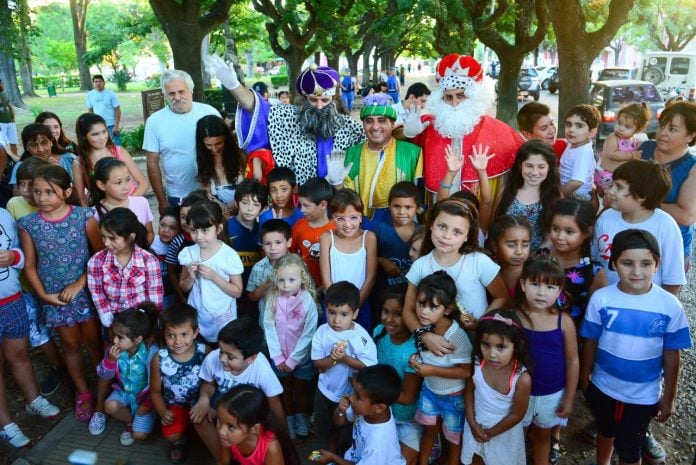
<point x="78" y="10"/>
<point x="294" y="62"/>
<point x="577" y="48"/>
<point x="25" y="72"/>
<point x="366" y="68"/>
<point x="353" y="65"/>
<point x="8" y="72"/>
<point x="185" y="29"/>
<point x="510" y="53"/>
<point x="506" y="109"/>
<point x="334" y="60"/>
<point x="25" y="66"/>
<point x="186" y="50"/>
<point x="375" y="67"/>
<point x="231" y="52"/>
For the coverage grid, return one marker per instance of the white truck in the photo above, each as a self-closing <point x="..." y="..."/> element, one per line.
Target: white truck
<point x="671" y="72"/>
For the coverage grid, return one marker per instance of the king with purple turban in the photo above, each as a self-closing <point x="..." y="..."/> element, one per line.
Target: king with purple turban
<point x="300" y="137"/>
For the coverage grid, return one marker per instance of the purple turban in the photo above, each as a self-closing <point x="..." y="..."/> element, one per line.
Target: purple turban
<point x="317" y="80"/>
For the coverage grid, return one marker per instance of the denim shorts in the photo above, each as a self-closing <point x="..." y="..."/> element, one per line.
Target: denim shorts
<point x="14" y="323"/>
<point x="448" y="406"/>
<point x="542" y="411"/>
<point x="141" y="423"/>
<point x="303" y="372"/>
<point x="39" y="334"/>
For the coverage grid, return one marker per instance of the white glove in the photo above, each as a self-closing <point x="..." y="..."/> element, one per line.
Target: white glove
<point x="226" y="74"/>
<point x="412" y="122"/>
<point x="336" y="171"/>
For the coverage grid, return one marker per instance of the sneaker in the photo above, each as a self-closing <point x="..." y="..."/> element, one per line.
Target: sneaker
<point x="126" y="437"/>
<point x="50" y="383"/>
<point x="40" y="406"/>
<point x="291" y="427"/>
<point x="301" y="425"/>
<point x="12" y="434"/>
<point x="97" y="424"/>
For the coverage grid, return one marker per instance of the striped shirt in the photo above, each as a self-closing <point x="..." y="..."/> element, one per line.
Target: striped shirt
<point x="632" y="333"/>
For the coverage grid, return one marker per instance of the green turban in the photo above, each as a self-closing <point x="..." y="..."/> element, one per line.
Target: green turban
<point x="378" y="105"/>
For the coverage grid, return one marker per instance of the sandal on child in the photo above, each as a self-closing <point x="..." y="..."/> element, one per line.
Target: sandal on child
<point x="652" y="449"/>
<point x="84" y="406"/>
<point x="555" y="452"/>
<point x="177" y="452"/>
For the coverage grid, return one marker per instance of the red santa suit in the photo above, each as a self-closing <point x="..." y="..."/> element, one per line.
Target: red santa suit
<point x="501" y="138"/>
<point x="464" y="72"/>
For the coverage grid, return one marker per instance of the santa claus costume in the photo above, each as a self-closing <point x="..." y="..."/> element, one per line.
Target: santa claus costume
<point x="461" y="126"/>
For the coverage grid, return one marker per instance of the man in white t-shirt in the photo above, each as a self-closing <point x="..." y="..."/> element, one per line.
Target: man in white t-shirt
<point x="170" y="135"/>
<point x="104" y="103"/>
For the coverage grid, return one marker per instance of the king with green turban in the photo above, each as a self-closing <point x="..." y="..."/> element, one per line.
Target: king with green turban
<point x="381" y="161"/>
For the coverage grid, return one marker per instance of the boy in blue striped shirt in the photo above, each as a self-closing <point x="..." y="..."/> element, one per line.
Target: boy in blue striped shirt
<point x="633" y="333"/>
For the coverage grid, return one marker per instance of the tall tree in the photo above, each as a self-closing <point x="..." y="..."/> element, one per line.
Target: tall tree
<point x="452" y="34"/>
<point x="186" y="23"/>
<point x="8" y="72"/>
<point x="112" y="26"/>
<point x="26" y="31"/>
<point x="78" y="11"/>
<point x="577" y="47"/>
<point x="292" y="27"/>
<point x="667" y="23"/>
<point x="526" y="22"/>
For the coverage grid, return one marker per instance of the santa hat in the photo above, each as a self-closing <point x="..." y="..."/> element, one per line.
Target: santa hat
<point x="317" y="80"/>
<point x="456" y="71"/>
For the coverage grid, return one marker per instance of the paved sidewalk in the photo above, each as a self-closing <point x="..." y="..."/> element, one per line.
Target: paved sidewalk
<point x="69" y="435"/>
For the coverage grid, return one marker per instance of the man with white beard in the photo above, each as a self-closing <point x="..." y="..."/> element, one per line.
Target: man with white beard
<point x="458" y="119"/>
<point x="300" y="138"/>
<point x="170" y="136"/>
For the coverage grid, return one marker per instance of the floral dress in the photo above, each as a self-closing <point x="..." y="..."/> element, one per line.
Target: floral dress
<point x="62" y="252"/>
<point x="533" y="213"/>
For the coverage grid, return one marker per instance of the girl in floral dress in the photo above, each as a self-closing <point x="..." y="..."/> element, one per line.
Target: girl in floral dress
<point x="56" y="241"/>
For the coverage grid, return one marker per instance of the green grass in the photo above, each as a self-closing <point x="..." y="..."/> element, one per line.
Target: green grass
<point x="70" y="103"/>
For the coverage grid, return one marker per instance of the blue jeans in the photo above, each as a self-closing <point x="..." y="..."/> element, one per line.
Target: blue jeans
<point x="348" y="98"/>
<point x="116" y="139"/>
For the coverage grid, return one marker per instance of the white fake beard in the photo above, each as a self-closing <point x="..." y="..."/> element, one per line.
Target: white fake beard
<point x="454" y="122"/>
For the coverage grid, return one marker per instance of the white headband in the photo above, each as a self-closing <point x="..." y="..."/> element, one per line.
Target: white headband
<point x="455" y="81"/>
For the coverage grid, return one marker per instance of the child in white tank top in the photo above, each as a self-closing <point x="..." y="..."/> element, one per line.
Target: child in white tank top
<point x="349" y="253"/>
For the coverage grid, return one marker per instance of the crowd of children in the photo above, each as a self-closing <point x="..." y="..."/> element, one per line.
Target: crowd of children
<point x="465" y="329"/>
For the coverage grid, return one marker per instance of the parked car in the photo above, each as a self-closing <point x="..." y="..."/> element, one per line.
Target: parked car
<point x="610" y="96"/>
<point x="545" y="73"/>
<point x="671" y="72"/>
<point x="617" y="72"/>
<point x="529" y="83"/>
<point x="554" y="82"/>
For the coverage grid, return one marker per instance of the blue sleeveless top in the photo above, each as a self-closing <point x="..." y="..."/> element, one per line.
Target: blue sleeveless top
<point x="679" y="169"/>
<point x="347" y="84"/>
<point x="547" y="352"/>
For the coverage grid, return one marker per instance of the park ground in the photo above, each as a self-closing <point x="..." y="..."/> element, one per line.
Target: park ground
<point x="53" y="441"/>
